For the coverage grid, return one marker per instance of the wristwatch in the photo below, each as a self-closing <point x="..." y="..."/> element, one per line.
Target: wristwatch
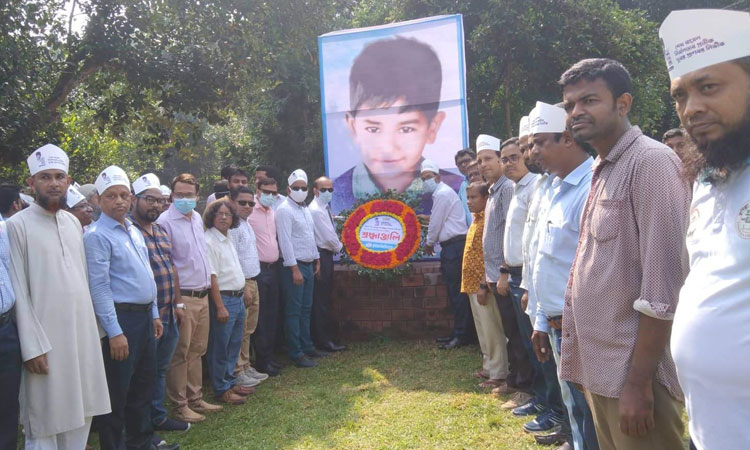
<point x="504" y="270"/>
<point x="180" y="306"/>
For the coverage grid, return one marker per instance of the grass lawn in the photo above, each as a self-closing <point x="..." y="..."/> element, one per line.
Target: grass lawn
<point x="377" y="395"/>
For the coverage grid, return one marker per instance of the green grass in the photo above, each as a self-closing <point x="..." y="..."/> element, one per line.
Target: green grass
<point x="378" y="395"/>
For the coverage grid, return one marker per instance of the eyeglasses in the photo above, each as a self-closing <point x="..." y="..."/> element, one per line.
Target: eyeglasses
<point x="246" y="202"/>
<point x="299" y="188"/>
<point x="152" y="200"/>
<point x="183" y="196"/>
<point x="326" y="190"/>
<point x="225" y="215"/>
<point x="512" y="158"/>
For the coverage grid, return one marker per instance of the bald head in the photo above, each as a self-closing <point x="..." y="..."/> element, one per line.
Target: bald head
<point x="324" y="183"/>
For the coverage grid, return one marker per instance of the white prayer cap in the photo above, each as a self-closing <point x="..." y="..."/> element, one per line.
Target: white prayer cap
<point x="27" y="198"/>
<point x="111" y="176"/>
<point x="546" y="118"/>
<point x="165" y="190"/>
<point x="73" y="197"/>
<point x="430" y="166"/>
<point x="47" y="157"/>
<point x="698" y="38"/>
<point x="298" y="174"/>
<point x="523" y="127"/>
<point x="487" y="142"/>
<point x="88" y="190"/>
<point x="146" y="181"/>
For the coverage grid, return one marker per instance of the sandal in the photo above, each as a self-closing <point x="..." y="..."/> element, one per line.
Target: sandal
<point x="481" y="374"/>
<point x="491" y="384"/>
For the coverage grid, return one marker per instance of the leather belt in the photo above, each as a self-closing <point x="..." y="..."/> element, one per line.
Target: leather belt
<point x="266" y="265"/>
<point x="460" y="237"/>
<point x="193" y="293"/>
<point x="133" y="307"/>
<point x="555" y="322"/>
<point x="237" y="293"/>
<point x="516" y="270"/>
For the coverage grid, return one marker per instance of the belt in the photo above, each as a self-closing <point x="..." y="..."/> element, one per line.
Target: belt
<point x="517" y="270"/>
<point x="303" y="263"/>
<point x="237" y="293"/>
<point x="266" y="265"/>
<point x="460" y="237"/>
<point x="193" y="293"/>
<point x="6" y="316"/>
<point x="133" y="307"/>
<point x="555" y="322"/>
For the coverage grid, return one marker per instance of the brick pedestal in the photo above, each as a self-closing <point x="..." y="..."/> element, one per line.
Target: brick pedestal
<point x="412" y="307"/>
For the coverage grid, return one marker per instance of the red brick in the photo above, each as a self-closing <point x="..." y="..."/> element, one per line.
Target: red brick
<point x="412" y="280"/>
<point x="436" y="302"/>
<point x="402" y="314"/>
<point x="406" y="292"/>
<point x="424" y="292"/>
<point x="410" y="303"/>
<point x="431" y="279"/>
<point x="441" y="291"/>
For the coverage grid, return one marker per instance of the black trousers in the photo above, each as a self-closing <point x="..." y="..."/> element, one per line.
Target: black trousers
<point x="521" y="371"/>
<point x="10" y="382"/>
<point x="451" y="261"/>
<point x="322" y="324"/>
<point x="131" y="386"/>
<point x="265" y="335"/>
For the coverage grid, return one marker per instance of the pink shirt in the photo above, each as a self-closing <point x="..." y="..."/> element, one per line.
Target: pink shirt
<point x="263" y="222"/>
<point x="188" y="248"/>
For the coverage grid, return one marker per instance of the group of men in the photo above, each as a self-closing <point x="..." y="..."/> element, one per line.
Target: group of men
<point x="111" y="298"/>
<point x="592" y="265"/>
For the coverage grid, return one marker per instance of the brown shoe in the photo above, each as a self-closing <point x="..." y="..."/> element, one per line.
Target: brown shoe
<point x="203" y="407"/>
<point x="243" y="391"/>
<point x="230" y="398"/>
<point x="518" y="399"/>
<point x="186" y="414"/>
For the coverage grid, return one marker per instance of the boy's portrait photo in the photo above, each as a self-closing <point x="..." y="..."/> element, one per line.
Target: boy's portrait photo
<point x="392" y="97"/>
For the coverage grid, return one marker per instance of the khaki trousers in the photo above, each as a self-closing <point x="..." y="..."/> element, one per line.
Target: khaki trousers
<point x="252" y="303"/>
<point x="185" y="373"/>
<point x="666" y="435"/>
<point x="492" y="340"/>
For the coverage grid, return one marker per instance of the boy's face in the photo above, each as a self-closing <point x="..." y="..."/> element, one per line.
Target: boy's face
<point x="392" y="142"/>
<point x="475" y="200"/>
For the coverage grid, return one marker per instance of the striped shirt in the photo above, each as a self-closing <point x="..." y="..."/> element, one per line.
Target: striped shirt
<point x="494" y="227"/>
<point x="160" y="256"/>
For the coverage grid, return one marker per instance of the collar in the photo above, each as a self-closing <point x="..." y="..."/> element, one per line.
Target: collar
<point x="112" y="223"/>
<point x="316" y="201"/>
<point x="217" y="234"/>
<point x="440" y="186"/>
<point x="623" y="143"/>
<point x="293" y="203"/>
<point x="497" y="184"/>
<point x="478" y="216"/>
<point x="526" y="179"/>
<point x="38" y="208"/>
<point x="363" y="186"/>
<point x="174" y="213"/>
<point x="574" y="178"/>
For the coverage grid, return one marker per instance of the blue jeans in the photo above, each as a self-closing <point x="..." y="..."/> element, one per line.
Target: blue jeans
<point x="165" y="346"/>
<point x="581" y="420"/>
<point x="224" y="342"/>
<point x="298" y="301"/>
<point x="545" y="386"/>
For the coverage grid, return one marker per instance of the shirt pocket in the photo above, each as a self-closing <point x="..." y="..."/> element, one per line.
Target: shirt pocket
<point x="606" y="219"/>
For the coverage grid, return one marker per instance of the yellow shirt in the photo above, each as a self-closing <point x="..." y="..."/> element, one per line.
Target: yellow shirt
<point x="472" y="269"/>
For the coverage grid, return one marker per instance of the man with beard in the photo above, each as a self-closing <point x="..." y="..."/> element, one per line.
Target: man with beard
<point x="710" y="339"/>
<point x="63" y="384"/>
<point x="628" y="269"/>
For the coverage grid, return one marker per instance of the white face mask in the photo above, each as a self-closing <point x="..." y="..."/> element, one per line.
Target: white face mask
<point x="298" y="196"/>
<point x="429" y="186"/>
<point x="325" y="197"/>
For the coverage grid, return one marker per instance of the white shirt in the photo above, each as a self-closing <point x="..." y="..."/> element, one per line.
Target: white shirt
<point x="295" y="232"/>
<point x="447" y="219"/>
<point x="279" y="200"/>
<point x="530" y="240"/>
<point x="516" y="220"/>
<point x="225" y="263"/>
<point x="710" y="333"/>
<point x="325" y="233"/>
<point x="558" y="229"/>
<point x="243" y="238"/>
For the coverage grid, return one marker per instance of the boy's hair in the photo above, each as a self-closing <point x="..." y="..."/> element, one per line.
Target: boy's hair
<point x="674" y="132"/>
<point x="614" y="74"/>
<point x="484" y="188"/>
<point x="188" y="179"/>
<point x="464" y="152"/>
<point x="237" y="172"/>
<point x="227" y="171"/>
<point x="393" y="68"/>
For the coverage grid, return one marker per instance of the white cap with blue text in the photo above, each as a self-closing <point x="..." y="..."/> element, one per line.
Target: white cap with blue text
<point x="146" y="181"/>
<point x="487" y="142"/>
<point x="73" y="197"/>
<point x="111" y="176"/>
<point x="165" y="190"/>
<point x="47" y="157"/>
<point x="297" y="175"/>
<point x="429" y="165"/>
<point x="698" y="38"/>
<point x="546" y="118"/>
<point x="523" y="127"/>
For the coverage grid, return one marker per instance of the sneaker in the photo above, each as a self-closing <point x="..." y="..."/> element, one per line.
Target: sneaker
<point x="157" y="440"/>
<point x="304" y="362"/>
<point x="246" y="380"/>
<point x="518" y="399"/>
<point x="203" y="407"/>
<point x="188" y="415"/>
<point x="172" y="425"/>
<point x="552" y="439"/>
<point x="547" y="422"/>
<point x="255" y="374"/>
<point x="529" y="409"/>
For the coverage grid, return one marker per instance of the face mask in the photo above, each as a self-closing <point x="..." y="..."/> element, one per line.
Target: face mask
<point x="267" y="200"/>
<point x="325" y="197"/>
<point x="298" y="196"/>
<point x="429" y="186"/>
<point x="184" y="205"/>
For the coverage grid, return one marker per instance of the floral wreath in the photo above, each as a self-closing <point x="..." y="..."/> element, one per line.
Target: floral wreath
<point x="388" y="259"/>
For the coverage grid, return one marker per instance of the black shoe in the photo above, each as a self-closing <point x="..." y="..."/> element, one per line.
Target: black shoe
<point x="546" y="422"/>
<point x="552" y="439"/>
<point x="172" y="425"/>
<point x="453" y="343"/>
<point x="443" y="339"/>
<point x="315" y="353"/>
<point x="166" y="447"/>
<point x="304" y="362"/>
<point x="331" y="347"/>
<point x="269" y="370"/>
<point x="276" y="365"/>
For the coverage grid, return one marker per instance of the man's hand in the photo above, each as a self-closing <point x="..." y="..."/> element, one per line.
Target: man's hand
<point x="297" y="276"/>
<point x="503" y="288"/>
<point x="246" y="296"/>
<point x="317" y="269"/>
<point x="424" y="217"/>
<point x="38" y="365"/>
<point x="482" y="296"/>
<point x="429" y="250"/>
<point x="525" y="300"/>
<point x="179" y="313"/>
<point x="222" y="315"/>
<point x="636" y="406"/>
<point x="540" y="342"/>
<point x="158" y="328"/>
<point x="118" y="347"/>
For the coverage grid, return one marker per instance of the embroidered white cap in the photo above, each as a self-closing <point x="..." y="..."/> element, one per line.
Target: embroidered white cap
<point x="298" y="174"/>
<point x="429" y="165"/>
<point x="146" y="181"/>
<point x="546" y="118"/>
<point x="111" y="176"/>
<point x="698" y="38"/>
<point x="73" y="197"/>
<point x="523" y="127"/>
<point x="47" y="157"/>
<point x="487" y="142"/>
<point x="165" y="190"/>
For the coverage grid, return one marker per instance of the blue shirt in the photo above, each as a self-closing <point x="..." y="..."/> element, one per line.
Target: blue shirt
<point x="558" y="227"/>
<point x="462" y="196"/>
<point x="7" y="297"/>
<point x="119" y="270"/>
